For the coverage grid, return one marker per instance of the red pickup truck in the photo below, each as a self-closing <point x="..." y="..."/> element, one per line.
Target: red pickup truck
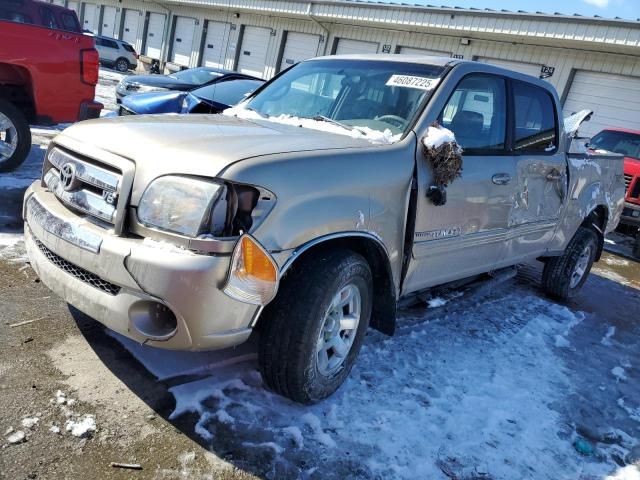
<point x="627" y="143"/>
<point x="47" y="76"/>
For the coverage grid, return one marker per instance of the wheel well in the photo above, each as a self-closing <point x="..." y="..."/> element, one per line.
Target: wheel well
<point x="383" y="315"/>
<point x="16" y="87"/>
<point x="597" y="221"/>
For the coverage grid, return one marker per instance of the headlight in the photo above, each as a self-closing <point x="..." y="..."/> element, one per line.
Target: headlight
<point x="183" y="205"/>
<point x="150" y="88"/>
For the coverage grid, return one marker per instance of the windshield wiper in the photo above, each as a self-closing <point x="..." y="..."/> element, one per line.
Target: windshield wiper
<point x="322" y="118"/>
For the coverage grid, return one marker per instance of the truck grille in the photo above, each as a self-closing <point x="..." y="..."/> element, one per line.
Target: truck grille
<point x="627" y="181"/>
<point x="78" y="272"/>
<point x="84" y="185"/>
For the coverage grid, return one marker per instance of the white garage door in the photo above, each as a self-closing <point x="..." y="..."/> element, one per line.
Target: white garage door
<point x="74" y="6"/>
<point x="131" y="21"/>
<point x="422" y="51"/>
<point x="253" y="52"/>
<point x="614" y="99"/>
<point x="183" y="40"/>
<point x="214" y="50"/>
<point x="89" y="18"/>
<point x="155" y="32"/>
<point x="526" y="68"/>
<point x="298" y="47"/>
<point x="347" y="46"/>
<point x="108" y="26"/>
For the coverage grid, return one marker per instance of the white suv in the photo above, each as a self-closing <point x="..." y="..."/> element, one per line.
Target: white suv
<point x="116" y="53"/>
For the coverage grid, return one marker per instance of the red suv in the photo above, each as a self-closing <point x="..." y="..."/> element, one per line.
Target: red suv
<point x="627" y="143"/>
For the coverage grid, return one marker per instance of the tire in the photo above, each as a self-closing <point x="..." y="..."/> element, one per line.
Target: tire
<point x="561" y="277"/>
<point x="15" y="137"/>
<point x="296" y="324"/>
<point x="122" y="65"/>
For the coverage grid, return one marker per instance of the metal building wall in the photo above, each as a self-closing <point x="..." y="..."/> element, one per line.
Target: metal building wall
<point x="395" y="27"/>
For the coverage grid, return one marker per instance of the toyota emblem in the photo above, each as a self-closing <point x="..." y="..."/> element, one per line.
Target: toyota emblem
<point x="68" y="177"/>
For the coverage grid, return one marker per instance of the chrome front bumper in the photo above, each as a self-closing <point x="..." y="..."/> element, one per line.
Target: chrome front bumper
<point x="108" y="277"/>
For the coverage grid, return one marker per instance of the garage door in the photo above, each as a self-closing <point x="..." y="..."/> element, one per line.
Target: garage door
<point x="155" y="32"/>
<point x="253" y="52"/>
<point x="214" y="50"/>
<point x="614" y="99"/>
<point x="298" y="47"/>
<point x="422" y="51"/>
<point x="130" y="22"/>
<point x="108" y="25"/>
<point x="526" y="68"/>
<point x="89" y="18"/>
<point x="74" y="6"/>
<point x="183" y="40"/>
<point x="346" y="46"/>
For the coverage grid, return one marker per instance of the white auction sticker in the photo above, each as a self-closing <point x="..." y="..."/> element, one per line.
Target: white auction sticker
<point x="422" y="83"/>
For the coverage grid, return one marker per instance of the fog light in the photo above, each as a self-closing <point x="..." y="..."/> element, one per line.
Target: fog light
<point x="253" y="275"/>
<point x="153" y="320"/>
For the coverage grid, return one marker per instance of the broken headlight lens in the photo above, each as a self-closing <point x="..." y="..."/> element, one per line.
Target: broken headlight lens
<point x="182" y="205"/>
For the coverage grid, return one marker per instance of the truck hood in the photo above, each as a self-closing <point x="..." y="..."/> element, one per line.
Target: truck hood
<point x="195" y="144"/>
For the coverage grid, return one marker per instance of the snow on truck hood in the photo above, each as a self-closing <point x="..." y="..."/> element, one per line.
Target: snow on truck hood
<point x="199" y="144"/>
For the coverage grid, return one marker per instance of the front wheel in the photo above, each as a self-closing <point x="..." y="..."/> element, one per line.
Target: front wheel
<point x="563" y="276"/>
<point x="15" y="137"/>
<point x="122" y="65"/>
<point x="312" y="332"/>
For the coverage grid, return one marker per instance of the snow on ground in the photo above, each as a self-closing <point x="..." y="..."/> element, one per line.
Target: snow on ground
<point x="12" y="246"/>
<point x="472" y="390"/>
<point x="620" y="244"/>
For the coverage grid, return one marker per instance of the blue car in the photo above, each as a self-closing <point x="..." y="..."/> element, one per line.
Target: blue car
<point x="212" y="98"/>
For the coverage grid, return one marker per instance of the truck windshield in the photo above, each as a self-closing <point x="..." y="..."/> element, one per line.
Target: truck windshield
<point x="356" y="95"/>
<point x="624" y="143"/>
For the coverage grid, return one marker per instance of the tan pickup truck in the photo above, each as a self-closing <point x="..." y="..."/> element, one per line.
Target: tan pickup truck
<point x="307" y="213"/>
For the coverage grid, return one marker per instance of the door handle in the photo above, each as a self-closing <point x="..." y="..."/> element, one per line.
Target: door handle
<point x="501" y="178"/>
<point x="554" y="175"/>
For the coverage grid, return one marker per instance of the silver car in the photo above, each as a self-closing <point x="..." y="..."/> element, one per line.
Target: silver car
<point x="307" y="213"/>
<point x="116" y="53"/>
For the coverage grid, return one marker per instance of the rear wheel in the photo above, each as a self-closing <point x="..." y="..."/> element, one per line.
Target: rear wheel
<point x="122" y="65"/>
<point x="15" y="137"/>
<point x="563" y="276"/>
<point x="312" y="332"/>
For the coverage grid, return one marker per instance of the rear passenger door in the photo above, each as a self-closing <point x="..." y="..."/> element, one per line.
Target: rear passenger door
<point x="541" y="172"/>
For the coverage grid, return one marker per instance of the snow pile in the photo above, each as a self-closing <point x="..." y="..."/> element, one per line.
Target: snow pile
<point x="30" y="422"/>
<point x="366" y="133"/>
<point x="17" y="437"/>
<point x="165" y="246"/>
<point x="438" y="136"/>
<point x="82" y="427"/>
<point x="476" y="390"/>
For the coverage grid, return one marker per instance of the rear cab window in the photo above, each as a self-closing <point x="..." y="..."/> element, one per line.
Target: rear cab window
<point x="536" y="128"/>
<point x="48" y="18"/>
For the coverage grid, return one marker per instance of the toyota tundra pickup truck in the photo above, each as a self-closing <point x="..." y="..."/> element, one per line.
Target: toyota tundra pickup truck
<point x="307" y="212"/>
<point x="33" y="88"/>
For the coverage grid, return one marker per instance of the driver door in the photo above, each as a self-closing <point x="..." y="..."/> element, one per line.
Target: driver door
<point x="465" y="236"/>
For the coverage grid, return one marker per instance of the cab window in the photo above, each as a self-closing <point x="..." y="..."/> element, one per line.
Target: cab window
<point x="535" y="119"/>
<point x="476" y="113"/>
